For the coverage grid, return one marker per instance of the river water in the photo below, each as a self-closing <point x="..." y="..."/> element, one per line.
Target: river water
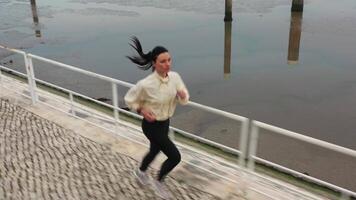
<point x="295" y="71"/>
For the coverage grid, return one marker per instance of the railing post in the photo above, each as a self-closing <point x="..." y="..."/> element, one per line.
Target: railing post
<point x="252" y="147"/>
<point x="71" y="104"/>
<point x="30" y="78"/>
<point x="32" y="72"/>
<point x="243" y="142"/>
<point x="115" y="101"/>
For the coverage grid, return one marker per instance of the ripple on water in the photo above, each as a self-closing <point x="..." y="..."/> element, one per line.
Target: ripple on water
<point x="101" y="11"/>
<point x="200" y="6"/>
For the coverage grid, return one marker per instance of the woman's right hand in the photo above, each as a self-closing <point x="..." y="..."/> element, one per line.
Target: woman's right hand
<point x="148" y="114"/>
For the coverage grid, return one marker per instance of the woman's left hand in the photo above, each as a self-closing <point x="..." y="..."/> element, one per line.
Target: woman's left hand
<point x="181" y="94"/>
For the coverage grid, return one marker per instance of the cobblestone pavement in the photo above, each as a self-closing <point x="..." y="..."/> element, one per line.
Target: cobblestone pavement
<point x="41" y="160"/>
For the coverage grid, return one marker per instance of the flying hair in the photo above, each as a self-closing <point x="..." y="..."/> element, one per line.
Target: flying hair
<point x="144" y="61"/>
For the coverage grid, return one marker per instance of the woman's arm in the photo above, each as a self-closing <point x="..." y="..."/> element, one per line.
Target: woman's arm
<point x="133" y="97"/>
<point x="134" y="100"/>
<point x="182" y="91"/>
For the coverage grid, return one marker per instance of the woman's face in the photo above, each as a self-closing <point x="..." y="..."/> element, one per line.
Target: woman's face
<point x="163" y="64"/>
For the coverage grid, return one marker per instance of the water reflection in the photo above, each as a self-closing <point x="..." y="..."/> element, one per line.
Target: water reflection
<point x="294" y="37"/>
<point x="35" y="18"/>
<point x="227" y="49"/>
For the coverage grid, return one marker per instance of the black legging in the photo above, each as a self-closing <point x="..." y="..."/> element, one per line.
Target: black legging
<point x="157" y="134"/>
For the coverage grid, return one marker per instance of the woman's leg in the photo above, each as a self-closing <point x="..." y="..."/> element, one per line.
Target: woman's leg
<point x="149" y="129"/>
<point x="150" y="156"/>
<point x="157" y="133"/>
<point x="174" y="157"/>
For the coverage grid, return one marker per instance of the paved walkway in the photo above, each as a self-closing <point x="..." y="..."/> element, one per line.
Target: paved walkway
<point x="41" y="159"/>
<point x="47" y="154"/>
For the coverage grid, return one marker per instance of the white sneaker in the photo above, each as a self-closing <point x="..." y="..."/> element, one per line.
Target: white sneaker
<point x="141" y="176"/>
<point x="161" y="190"/>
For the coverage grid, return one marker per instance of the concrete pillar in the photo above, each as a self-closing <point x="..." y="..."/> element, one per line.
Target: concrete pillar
<point x="35" y="18"/>
<point x="228" y="11"/>
<point x="294" y="37"/>
<point x="297" y="5"/>
<point x="227" y="49"/>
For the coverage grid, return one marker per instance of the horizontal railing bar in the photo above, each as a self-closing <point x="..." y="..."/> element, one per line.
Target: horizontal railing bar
<point x="75" y="93"/>
<point x="86" y="97"/>
<point x="86" y="119"/>
<point x="229" y="165"/>
<point x="123" y="83"/>
<point x="89" y="98"/>
<point x="102" y="77"/>
<point x="114" y="132"/>
<point x="192" y="136"/>
<point x="14" y="71"/>
<point x="146" y="145"/>
<point x="103" y="116"/>
<point x="187" y="147"/>
<point x="13" y="50"/>
<point x="100" y="116"/>
<point x="301" y="175"/>
<point x="188" y="162"/>
<point x="95" y="124"/>
<point x="223" y="147"/>
<point x="217" y="111"/>
<point x="306" y="138"/>
<point x="130" y="113"/>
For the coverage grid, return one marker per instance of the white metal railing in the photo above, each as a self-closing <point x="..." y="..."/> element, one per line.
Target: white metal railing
<point x="115" y="107"/>
<point x="244" y="132"/>
<point x="256" y="125"/>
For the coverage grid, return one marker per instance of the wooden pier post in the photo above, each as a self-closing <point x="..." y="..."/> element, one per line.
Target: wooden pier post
<point x="228" y="11"/>
<point x="297" y="5"/>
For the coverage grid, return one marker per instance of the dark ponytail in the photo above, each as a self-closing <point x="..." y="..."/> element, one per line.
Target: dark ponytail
<point x="144" y="61"/>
